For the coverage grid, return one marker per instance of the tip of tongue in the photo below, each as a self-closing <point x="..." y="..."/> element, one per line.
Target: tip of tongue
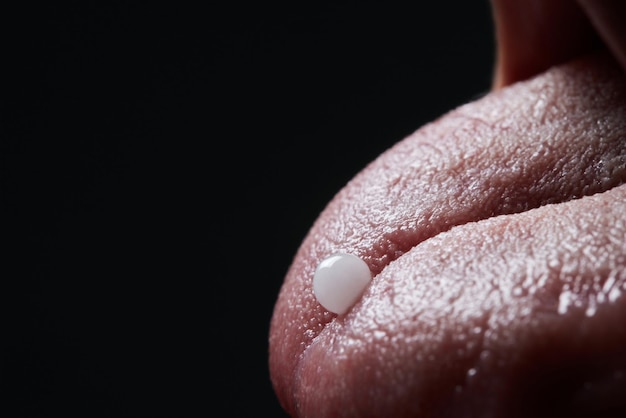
<point x="318" y="359"/>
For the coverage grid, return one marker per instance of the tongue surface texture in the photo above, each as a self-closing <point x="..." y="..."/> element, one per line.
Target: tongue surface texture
<point x="496" y="240"/>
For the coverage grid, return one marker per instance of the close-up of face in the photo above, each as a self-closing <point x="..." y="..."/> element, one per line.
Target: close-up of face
<point x="477" y="268"/>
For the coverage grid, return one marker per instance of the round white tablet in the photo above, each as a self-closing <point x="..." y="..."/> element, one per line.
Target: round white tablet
<point x="339" y="281"/>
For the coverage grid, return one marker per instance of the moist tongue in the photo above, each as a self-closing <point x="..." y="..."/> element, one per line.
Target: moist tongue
<point x="453" y="279"/>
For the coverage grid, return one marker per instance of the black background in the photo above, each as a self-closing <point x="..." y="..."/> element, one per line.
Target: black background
<point x="160" y="164"/>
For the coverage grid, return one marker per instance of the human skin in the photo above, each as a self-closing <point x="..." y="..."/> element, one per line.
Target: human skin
<point x="496" y="239"/>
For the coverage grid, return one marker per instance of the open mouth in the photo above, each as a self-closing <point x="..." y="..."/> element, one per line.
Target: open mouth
<point x="495" y="237"/>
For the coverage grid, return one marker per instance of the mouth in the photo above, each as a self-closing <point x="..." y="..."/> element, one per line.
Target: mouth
<point x="495" y="238"/>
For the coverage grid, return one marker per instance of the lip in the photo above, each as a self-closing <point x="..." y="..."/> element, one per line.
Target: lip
<point x="457" y="318"/>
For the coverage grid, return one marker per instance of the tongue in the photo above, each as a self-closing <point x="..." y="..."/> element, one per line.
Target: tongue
<point x="496" y="239"/>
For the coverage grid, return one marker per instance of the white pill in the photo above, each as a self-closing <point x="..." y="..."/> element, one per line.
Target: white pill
<point x="339" y="281"/>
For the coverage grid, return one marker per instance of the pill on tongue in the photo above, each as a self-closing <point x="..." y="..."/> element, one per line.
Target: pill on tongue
<point x="339" y="281"/>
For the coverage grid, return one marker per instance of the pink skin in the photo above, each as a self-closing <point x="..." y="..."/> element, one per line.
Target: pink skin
<point x="496" y="237"/>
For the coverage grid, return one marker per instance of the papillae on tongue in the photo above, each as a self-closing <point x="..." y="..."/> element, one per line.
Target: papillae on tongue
<point x="496" y="238"/>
